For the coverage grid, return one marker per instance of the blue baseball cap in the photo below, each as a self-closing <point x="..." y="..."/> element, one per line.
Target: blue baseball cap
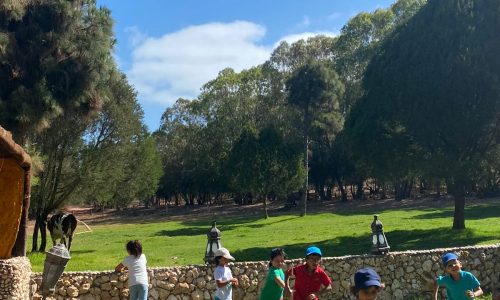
<point x="448" y="256"/>
<point x="313" y="250"/>
<point x="366" y="277"/>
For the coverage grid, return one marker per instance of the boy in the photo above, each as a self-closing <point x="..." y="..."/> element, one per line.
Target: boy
<point x="460" y="285"/>
<point x="367" y="284"/>
<point x="310" y="279"/>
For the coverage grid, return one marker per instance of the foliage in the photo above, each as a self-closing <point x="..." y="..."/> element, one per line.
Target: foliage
<point x="436" y="109"/>
<point x="53" y="55"/>
<point x="262" y="164"/>
<point x="315" y="90"/>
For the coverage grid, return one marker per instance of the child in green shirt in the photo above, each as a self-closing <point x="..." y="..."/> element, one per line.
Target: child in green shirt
<point x="460" y="285"/>
<point x="275" y="279"/>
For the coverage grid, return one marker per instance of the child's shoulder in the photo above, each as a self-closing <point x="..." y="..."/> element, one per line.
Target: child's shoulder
<point x="468" y="274"/>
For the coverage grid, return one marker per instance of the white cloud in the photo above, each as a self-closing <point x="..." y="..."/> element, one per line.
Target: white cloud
<point x="334" y="16"/>
<point x="135" y="35"/>
<point x="179" y="63"/>
<point x="292" y="38"/>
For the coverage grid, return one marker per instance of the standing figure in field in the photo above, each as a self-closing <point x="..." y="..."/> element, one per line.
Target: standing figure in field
<point x="62" y="226"/>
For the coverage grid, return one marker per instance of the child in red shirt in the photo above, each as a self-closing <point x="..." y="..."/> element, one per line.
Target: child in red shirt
<point x="310" y="279"/>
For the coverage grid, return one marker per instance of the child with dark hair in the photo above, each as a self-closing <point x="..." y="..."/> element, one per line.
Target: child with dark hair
<point x="275" y="279"/>
<point x="311" y="281"/>
<point x="223" y="276"/>
<point x="367" y="284"/>
<point x="460" y="285"/>
<point x="135" y="263"/>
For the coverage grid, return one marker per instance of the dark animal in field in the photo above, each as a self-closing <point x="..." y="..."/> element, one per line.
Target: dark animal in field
<point x="62" y="226"/>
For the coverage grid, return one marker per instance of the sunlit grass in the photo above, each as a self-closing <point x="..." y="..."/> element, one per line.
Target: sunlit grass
<point x="183" y="243"/>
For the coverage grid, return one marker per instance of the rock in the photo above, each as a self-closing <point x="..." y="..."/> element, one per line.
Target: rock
<point x="427" y="266"/>
<point x="84" y="288"/>
<point x="197" y="295"/>
<point x="72" y="291"/>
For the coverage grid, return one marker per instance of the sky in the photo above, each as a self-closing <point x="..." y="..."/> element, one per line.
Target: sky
<point x="169" y="48"/>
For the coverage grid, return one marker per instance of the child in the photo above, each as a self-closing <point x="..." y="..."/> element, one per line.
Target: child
<point x="223" y="276"/>
<point x="310" y="279"/>
<point x="275" y="280"/>
<point x="460" y="285"/>
<point x="135" y="263"/>
<point x="366" y="284"/>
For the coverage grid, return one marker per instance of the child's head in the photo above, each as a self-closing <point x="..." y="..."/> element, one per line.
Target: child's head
<point x="313" y="257"/>
<point x="277" y="257"/>
<point x="366" y="284"/>
<point x="222" y="257"/>
<point x="451" y="263"/>
<point x="134" y="248"/>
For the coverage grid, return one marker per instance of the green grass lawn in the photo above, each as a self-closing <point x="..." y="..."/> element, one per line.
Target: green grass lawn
<point x="251" y="238"/>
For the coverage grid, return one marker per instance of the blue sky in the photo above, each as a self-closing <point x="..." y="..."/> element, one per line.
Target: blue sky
<point x="170" y="48"/>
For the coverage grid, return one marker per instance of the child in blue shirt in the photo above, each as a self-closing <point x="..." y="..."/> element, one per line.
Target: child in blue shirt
<point x="460" y="285"/>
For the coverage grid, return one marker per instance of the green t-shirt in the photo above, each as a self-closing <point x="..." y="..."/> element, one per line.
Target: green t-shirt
<point x="271" y="290"/>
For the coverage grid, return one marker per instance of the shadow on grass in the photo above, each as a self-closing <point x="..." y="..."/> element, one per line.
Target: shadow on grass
<point x="475" y="212"/>
<point x="190" y="231"/>
<point x="195" y="228"/>
<point x="81" y="251"/>
<point x="229" y="223"/>
<point x="399" y="240"/>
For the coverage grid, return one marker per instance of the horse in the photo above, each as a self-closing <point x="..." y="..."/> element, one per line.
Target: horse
<point x="62" y="226"/>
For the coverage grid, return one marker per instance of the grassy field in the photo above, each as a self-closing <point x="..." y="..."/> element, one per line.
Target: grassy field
<point x="251" y="238"/>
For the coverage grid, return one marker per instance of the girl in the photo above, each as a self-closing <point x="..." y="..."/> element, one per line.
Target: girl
<point x="223" y="276"/>
<point x="366" y="284"/>
<point x="275" y="280"/>
<point x="135" y="263"/>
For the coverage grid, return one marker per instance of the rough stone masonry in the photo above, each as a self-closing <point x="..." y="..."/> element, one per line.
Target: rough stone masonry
<point x="406" y="275"/>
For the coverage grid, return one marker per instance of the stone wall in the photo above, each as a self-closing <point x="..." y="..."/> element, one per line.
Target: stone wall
<point x="406" y="274"/>
<point x="15" y="278"/>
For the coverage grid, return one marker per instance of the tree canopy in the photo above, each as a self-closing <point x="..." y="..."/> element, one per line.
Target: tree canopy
<point x="432" y="96"/>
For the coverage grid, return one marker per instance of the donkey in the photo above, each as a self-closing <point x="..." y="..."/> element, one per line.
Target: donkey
<point x="62" y="226"/>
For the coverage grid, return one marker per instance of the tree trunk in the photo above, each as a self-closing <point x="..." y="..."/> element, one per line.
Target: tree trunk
<point x="343" y="193"/>
<point x="306" y="181"/>
<point x="402" y="190"/>
<point x="458" y="192"/>
<point x="438" y="188"/>
<point x="43" y="234"/>
<point x="265" y="207"/>
<point x="329" y="192"/>
<point x="359" y="191"/>
<point x="383" y="193"/>
<point x="34" y="243"/>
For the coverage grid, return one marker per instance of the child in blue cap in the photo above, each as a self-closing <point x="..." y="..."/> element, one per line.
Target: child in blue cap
<point x="311" y="281"/>
<point x="367" y="284"/>
<point x="460" y="285"/>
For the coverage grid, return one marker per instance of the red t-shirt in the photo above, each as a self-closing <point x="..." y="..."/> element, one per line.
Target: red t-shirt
<point x="308" y="283"/>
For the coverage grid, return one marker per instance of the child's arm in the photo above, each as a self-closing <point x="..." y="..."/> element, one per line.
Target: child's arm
<point x="288" y="290"/>
<point x="436" y="289"/>
<point x="279" y="282"/>
<point x="323" y="289"/>
<point x="120" y="267"/>
<point x="472" y="294"/>
<point x="222" y="283"/>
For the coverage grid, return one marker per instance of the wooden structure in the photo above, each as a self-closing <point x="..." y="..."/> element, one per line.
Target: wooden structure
<point x="15" y="189"/>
